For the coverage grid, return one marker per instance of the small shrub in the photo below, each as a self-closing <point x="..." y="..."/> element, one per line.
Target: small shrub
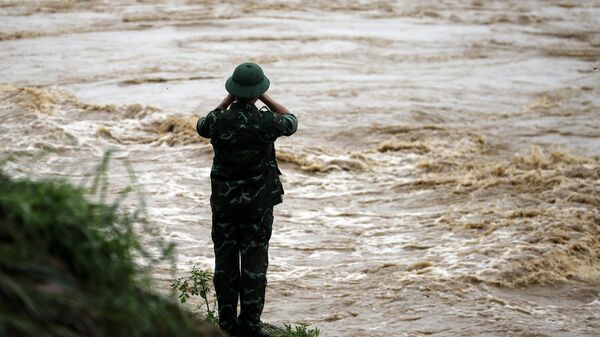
<point x="199" y="283"/>
<point x="300" y="330"/>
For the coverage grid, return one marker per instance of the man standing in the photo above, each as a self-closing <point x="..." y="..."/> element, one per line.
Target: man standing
<point x="245" y="187"/>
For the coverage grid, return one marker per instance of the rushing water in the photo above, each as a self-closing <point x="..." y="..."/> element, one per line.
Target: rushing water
<point x="445" y="178"/>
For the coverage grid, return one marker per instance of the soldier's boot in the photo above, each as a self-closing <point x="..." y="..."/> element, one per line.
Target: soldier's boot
<point x="252" y="332"/>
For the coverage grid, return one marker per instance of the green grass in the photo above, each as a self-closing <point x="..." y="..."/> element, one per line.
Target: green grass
<point x="289" y="330"/>
<point x="67" y="268"/>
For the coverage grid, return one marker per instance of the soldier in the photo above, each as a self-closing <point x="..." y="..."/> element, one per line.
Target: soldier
<point x="245" y="187"/>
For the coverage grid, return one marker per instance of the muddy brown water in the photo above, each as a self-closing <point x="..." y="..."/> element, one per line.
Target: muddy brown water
<point x="445" y="178"/>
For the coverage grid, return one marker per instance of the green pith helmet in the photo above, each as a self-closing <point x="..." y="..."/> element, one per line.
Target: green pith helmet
<point x="247" y="81"/>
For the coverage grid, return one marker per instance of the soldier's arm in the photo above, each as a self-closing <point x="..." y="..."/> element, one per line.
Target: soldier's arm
<point x="285" y="122"/>
<point x="273" y="105"/>
<point x="206" y="125"/>
<point x="226" y="102"/>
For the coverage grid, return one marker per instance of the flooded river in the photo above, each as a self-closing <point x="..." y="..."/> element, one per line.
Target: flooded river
<point x="444" y="180"/>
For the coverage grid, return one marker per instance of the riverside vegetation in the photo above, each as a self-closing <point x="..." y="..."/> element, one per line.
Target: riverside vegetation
<point x="199" y="283"/>
<point x="68" y="267"/>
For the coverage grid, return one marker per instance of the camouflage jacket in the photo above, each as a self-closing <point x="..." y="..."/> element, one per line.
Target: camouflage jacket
<point x="244" y="175"/>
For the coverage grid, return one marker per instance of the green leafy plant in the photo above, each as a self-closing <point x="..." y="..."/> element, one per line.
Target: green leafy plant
<point x="199" y="283"/>
<point x="300" y="330"/>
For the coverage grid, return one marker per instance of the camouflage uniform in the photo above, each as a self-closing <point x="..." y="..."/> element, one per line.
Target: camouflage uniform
<point x="245" y="187"/>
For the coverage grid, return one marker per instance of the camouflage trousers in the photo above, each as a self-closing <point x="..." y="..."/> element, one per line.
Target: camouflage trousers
<point x="241" y="244"/>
